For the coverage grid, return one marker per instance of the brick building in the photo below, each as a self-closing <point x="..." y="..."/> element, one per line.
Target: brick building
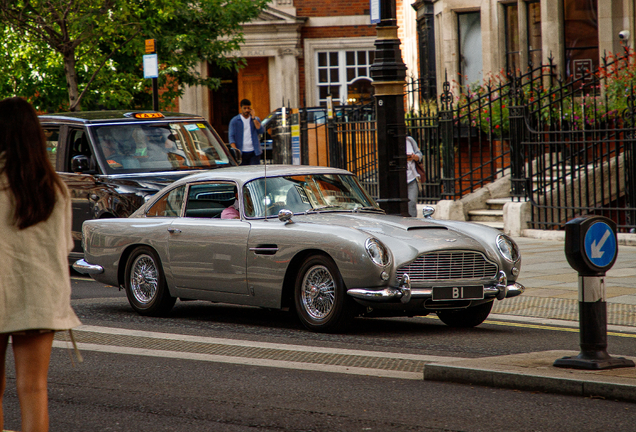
<point x="298" y="51"/>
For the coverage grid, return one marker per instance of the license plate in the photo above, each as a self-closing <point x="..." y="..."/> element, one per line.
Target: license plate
<point x="459" y="293"/>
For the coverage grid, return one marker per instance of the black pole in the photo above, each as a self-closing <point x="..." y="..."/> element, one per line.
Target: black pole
<point x="155" y="94"/>
<point x="389" y="73"/>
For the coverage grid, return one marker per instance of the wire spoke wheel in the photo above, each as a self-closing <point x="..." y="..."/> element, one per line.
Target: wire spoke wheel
<point x="145" y="283"/>
<point x="318" y="292"/>
<point x="144" y="279"/>
<point x="320" y="295"/>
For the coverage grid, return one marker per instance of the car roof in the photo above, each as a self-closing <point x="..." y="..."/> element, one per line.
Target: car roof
<point x="243" y="174"/>
<point x="124" y="116"/>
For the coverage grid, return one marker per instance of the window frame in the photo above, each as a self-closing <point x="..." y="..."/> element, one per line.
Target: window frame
<point x="313" y="46"/>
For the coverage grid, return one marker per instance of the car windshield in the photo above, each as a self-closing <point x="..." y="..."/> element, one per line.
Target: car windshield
<point x="305" y="194"/>
<point x="159" y="147"/>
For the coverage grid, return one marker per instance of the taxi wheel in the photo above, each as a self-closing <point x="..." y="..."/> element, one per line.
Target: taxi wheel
<point x="320" y="296"/>
<point x="145" y="283"/>
<point x="470" y="317"/>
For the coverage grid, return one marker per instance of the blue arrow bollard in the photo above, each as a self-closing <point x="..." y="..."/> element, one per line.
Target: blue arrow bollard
<point x="591" y="249"/>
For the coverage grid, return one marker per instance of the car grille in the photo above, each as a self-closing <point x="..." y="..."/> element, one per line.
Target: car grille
<point x="449" y="265"/>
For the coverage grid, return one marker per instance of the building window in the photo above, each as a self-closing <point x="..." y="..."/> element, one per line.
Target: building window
<point x="581" y="36"/>
<point x="345" y="75"/>
<point x="470" y="61"/>
<point x="513" y="62"/>
<point x="534" y="33"/>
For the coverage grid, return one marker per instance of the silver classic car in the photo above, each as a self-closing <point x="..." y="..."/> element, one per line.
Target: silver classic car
<point x="299" y="237"/>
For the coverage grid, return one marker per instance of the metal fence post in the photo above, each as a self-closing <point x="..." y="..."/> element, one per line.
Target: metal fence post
<point x="334" y="146"/>
<point x="446" y="123"/>
<point x="517" y="156"/>
<point x="304" y="136"/>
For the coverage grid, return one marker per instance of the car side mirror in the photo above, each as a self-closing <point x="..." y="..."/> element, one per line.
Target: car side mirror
<point x="237" y="155"/>
<point x="427" y="212"/>
<point x="80" y="163"/>
<point x="285" y="215"/>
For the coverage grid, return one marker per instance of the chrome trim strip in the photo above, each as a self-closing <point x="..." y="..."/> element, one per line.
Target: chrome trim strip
<point x="265" y="250"/>
<point x="81" y="266"/>
<point x="387" y="294"/>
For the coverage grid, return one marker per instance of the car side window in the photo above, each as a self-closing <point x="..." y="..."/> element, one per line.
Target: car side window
<point x="169" y="205"/>
<point x="208" y="200"/>
<point x="80" y="147"/>
<point x="52" y="135"/>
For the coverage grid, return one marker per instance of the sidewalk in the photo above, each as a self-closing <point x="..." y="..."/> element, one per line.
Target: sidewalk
<point x="552" y="293"/>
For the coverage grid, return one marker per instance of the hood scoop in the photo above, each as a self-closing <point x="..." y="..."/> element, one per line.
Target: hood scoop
<point x="428" y="227"/>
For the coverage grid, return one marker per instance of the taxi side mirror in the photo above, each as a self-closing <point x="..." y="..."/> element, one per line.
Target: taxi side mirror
<point x="237" y="155"/>
<point x="80" y="163"/>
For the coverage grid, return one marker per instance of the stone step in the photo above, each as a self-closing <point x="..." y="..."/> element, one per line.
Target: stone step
<point x="497" y="203"/>
<point x="497" y="225"/>
<point x="484" y="215"/>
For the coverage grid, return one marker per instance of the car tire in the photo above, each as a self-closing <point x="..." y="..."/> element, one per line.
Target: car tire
<point x="470" y="317"/>
<point x="320" y="296"/>
<point x="145" y="283"/>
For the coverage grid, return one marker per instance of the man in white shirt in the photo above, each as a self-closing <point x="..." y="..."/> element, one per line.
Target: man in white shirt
<point x="243" y="133"/>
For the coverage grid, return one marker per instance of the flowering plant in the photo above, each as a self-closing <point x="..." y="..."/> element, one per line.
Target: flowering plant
<point x="593" y="100"/>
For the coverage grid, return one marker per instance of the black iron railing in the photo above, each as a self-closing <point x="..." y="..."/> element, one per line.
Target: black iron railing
<point x="569" y="146"/>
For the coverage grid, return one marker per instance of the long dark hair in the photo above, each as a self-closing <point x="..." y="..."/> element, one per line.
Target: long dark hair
<point x="31" y="177"/>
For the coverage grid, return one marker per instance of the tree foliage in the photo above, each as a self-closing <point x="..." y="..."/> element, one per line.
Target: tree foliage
<point x="72" y="54"/>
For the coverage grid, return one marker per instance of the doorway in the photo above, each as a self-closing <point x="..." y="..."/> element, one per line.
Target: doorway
<point x="251" y="82"/>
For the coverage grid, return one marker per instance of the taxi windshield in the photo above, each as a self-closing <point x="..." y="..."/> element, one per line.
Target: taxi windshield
<point x="305" y="194"/>
<point x="159" y="147"/>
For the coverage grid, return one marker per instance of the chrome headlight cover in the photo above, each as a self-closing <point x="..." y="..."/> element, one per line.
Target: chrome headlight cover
<point x="508" y="248"/>
<point x="377" y="252"/>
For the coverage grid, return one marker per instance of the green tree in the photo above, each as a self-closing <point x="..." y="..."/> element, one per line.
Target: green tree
<point x="73" y="54"/>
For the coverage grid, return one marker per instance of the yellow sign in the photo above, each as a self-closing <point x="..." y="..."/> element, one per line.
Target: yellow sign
<point x="150" y="46"/>
<point x="148" y="115"/>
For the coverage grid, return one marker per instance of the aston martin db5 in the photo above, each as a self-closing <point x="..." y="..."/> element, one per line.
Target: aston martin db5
<point x="302" y="238"/>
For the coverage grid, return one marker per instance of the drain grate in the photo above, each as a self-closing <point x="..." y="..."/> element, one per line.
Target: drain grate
<point x="564" y="309"/>
<point x="333" y="359"/>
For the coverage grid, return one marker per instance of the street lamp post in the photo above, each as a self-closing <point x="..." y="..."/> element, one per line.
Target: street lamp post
<point x="389" y="73"/>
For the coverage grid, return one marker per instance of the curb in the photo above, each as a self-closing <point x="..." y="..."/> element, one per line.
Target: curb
<point x="534" y="372"/>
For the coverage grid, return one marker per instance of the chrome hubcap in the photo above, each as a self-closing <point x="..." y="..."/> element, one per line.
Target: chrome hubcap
<point x="318" y="292"/>
<point x="144" y="279"/>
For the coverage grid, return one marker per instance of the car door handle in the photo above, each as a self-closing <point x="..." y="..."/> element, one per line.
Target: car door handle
<point x="266" y="249"/>
<point x="174" y="230"/>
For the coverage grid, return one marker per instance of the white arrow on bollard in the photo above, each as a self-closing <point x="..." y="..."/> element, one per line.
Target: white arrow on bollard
<point x="596" y="251"/>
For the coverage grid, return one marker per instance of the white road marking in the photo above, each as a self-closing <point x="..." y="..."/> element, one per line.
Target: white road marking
<point x="254" y="344"/>
<point x="283" y="364"/>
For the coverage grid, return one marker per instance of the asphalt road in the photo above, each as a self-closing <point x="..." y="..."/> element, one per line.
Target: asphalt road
<point x="145" y="390"/>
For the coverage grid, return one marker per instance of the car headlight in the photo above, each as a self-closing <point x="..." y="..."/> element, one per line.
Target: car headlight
<point x="377" y="252"/>
<point x="508" y="248"/>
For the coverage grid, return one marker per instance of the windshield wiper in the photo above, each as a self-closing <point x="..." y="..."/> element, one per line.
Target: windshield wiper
<point x="325" y="207"/>
<point x="375" y="209"/>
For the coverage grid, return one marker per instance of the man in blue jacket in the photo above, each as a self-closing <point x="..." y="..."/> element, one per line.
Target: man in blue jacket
<point x="243" y="134"/>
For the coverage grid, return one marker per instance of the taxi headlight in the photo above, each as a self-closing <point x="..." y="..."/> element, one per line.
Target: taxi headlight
<point x="508" y="248"/>
<point x="377" y="252"/>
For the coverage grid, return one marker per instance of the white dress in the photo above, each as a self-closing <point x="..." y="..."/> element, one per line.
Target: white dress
<point x="35" y="284"/>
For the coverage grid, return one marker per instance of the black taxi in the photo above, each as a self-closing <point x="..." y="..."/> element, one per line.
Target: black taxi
<point x="114" y="161"/>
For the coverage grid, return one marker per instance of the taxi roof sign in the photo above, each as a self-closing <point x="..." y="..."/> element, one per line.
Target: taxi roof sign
<point x="148" y="115"/>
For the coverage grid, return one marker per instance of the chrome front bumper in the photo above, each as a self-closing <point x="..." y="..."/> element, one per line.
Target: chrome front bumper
<point x="81" y="266"/>
<point x="405" y="293"/>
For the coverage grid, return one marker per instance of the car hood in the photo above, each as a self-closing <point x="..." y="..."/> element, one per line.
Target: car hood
<point x="409" y="237"/>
